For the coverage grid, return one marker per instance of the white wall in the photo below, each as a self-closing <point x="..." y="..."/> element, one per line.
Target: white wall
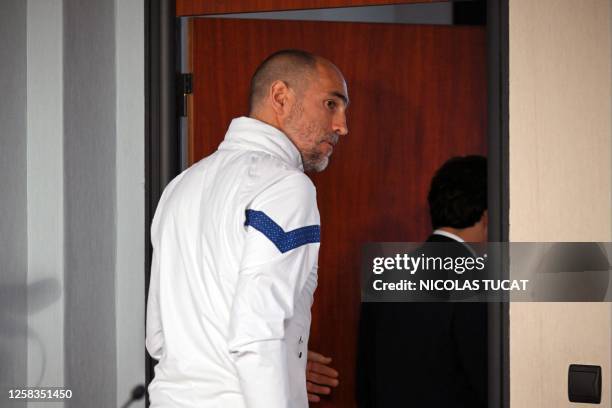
<point x="560" y="182"/>
<point x="104" y="197"/>
<point x="90" y="201"/>
<point x="72" y="198"/>
<point x="13" y="199"/>
<point x="129" y="270"/>
<point x="45" y="194"/>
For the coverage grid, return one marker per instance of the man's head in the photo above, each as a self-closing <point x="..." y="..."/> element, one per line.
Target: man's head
<point x="304" y="96"/>
<point x="458" y="198"/>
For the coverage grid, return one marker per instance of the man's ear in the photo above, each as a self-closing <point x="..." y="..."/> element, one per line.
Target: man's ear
<point x="485" y="218"/>
<point x="280" y="96"/>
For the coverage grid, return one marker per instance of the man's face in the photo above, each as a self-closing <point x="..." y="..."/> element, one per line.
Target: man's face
<point x="317" y="117"/>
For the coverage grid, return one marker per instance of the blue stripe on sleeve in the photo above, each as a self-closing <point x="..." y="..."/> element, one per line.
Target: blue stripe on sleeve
<point x="284" y="241"/>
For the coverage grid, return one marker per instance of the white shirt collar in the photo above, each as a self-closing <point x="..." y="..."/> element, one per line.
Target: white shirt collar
<point x="448" y="235"/>
<point x="456" y="238"/>
<point x="252" y="134"/>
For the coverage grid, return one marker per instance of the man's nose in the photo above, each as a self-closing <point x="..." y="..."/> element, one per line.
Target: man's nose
<point x="340" y="126"/>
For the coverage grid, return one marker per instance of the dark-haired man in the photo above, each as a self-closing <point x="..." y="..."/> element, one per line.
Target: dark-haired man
<point x="458" y="200"/>
<point x="236" y="241"/>
<point x="432" y="354"/>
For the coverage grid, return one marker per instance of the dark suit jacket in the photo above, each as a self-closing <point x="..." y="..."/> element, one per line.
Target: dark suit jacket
<point x="423" y="354"/>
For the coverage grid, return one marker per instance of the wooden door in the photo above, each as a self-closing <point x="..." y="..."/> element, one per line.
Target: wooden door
<point x="418" y="96"/>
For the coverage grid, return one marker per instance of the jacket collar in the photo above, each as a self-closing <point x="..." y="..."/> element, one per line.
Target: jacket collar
<point x="251" y="134"/>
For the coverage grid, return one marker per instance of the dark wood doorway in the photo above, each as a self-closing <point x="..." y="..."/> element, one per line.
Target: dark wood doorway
<point x="419" y="96"/>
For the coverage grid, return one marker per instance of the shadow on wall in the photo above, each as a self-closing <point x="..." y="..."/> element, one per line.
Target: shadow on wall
<point x="573" y="272"/>
<point x="13" y="321"/>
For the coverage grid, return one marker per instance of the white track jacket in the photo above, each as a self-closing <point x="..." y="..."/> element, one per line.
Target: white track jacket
<point x="235" y="248"/>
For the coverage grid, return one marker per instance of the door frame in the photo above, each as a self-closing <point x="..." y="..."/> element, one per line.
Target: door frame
<point x="162" y="150"/>
<point x="498" y="194"/>
<point x="162" y="153"/>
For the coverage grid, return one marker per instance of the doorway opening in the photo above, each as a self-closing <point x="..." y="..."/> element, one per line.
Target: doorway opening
<point x="436" y="75"/>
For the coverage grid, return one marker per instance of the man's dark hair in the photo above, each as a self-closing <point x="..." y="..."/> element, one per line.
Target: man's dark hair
<point x="291" y="66"/>
<point x="458" y="193"/>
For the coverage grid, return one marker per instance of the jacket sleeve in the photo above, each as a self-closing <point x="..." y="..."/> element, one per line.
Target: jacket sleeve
<point x="281" y="249"/>
<point x="154" y="330"/>
<point x="154" y="335"/>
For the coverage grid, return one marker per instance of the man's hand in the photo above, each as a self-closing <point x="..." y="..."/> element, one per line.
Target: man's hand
<point x="319" y="376"/>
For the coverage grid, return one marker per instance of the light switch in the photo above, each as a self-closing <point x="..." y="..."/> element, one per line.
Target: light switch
<point x="584" y="383"/>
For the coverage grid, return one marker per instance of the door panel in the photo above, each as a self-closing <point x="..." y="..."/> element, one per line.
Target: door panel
<point x="201" y="7"/>
<point x="418" y="96"/>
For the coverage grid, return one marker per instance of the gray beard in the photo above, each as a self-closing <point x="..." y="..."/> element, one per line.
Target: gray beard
<point x="316" y="165"/>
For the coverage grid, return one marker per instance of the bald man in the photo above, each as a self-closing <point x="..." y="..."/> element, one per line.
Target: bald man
<point x="235" y="248"/>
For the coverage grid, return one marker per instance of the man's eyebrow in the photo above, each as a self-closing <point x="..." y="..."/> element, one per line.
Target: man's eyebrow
<point x="341" y="96"/>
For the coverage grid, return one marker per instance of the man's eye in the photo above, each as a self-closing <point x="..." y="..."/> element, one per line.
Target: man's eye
<point x="330" y="104"/>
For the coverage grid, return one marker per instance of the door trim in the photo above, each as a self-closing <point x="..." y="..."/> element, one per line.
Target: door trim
<point x="187" y="8"/>
<point x="161" y="139"/>
<point x="498" y="194"/>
